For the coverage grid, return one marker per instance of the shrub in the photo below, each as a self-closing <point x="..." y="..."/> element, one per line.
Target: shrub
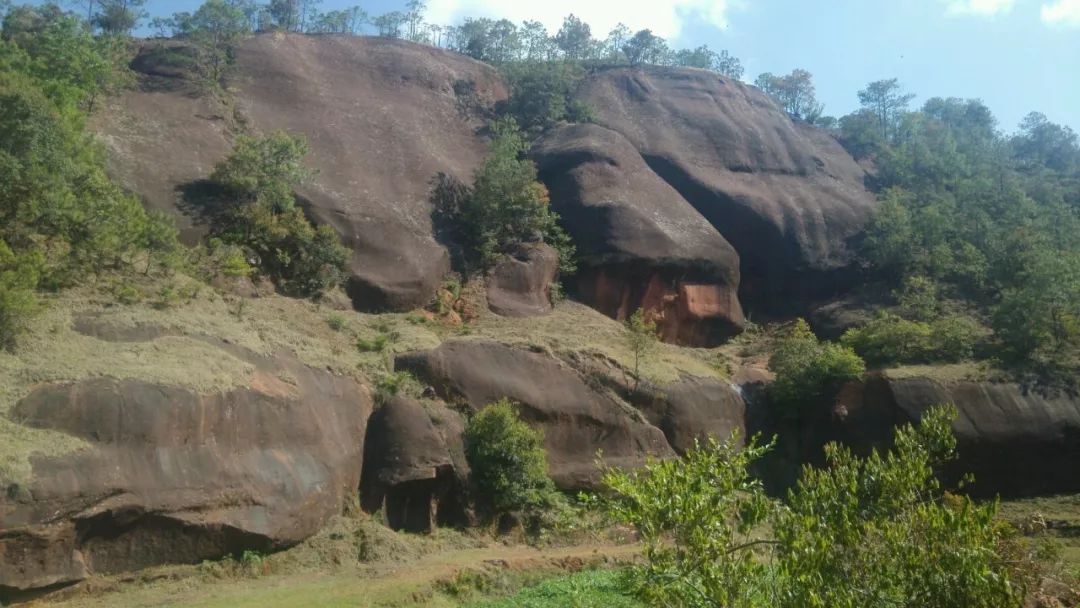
<point x="890" y="339"/>
<point x="508" y="461"/>
<point x="260" y="174"/>
<point x="807" y="370"/>
<point x="694" y="516"/>
<point x="541" y="93"/>
<point x="954" y="337"/>
<point x="880" y="531"/>
<point x="875" y="531"/>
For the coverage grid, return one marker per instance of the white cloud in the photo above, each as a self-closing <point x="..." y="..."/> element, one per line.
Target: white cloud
<point x="664" y="18"/>
<point x="980" y="8"/>
<point x="1062" y="12"/>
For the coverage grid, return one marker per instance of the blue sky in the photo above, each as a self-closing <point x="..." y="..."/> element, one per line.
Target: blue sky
<point x="1015" y="55"/>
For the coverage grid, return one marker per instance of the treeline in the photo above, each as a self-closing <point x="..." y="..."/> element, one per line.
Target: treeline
<point x="496" y="41"/>
<point x="980" y="229"/>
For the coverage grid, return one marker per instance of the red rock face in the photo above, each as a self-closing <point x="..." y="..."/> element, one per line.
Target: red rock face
<point x="691" y="314"/>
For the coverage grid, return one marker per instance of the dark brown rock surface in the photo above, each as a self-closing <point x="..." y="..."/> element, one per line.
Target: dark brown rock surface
<point x="640" y="243"/>
<point x="696" y="409"/>
<point x="174" y="476"/>
<point x="784" y="194"/>
<point x="520" y="284"/>
<point x="1014" y="441"/>
<point x="382" y="116"/>
<point x="577" y="420"/>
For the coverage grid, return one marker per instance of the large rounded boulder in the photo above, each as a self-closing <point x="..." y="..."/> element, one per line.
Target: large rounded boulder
<point x="173" y="475"/>
<point x="640" y="243"/>
<point x="784" y="194"/>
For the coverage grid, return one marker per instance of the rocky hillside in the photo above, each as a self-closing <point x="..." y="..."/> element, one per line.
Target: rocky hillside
<point x="688" y="182"/>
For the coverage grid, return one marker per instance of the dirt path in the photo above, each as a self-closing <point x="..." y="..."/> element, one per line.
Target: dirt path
<point x="409" y="584"/>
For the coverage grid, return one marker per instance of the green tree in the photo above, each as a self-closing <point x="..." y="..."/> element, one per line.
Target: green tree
<point x="19" y="276"/>
<point x="574" y="38"/>
<point x="507" y="461"/>
<point x="119" y="16"/>
<point x="880" y="531"/>
<point x="808" y="370"/>
<point x="696" y="517"/>
<point x="541" y="93"/>
<point x="259" y="177"/>
<point x="640" y="339"/>
<point x="215" y="28"/>
<point x="794" y="92"/>
<point x="644" y="47"/>
<point x="887" y="102"/>
<point x="508" y="205"/>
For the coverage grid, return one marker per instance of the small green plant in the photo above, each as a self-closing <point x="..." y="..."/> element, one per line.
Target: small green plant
<point x="892" y="339"/>
<point x="126" y="293"/>
<point x="391" y="384"/>
<point x="377" y="344"/>
<point x="874" y="531"/>
<point x="640" y="339"/>
<point x="337" y="322"/>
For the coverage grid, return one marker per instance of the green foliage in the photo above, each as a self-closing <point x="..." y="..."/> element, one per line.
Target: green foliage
<point x="695" y="517"/>
<point x="541" y="93"/>
<point x="794" y="92"/>
<point x="808" y="370"/>
<point x="61" y="218"/>
<point x="880" y="532"/>
<point x="641" y="341"/>
<point x="588" y="589"/>
<point x="875" y="531"/>
<point x="263" y="218"/>
<point x="18" y="302"/>
<point x="508" y="462"/>
<point x="505" y="206"/>
<point x="992" y="220"/>
<point x="266" y="170"/>
<point x="889" y="338"/>
<point x="214" y="29"/>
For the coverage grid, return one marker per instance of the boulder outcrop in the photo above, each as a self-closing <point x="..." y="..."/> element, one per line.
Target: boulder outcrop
<point x="520" y="283"/>
<point x="577" y="421"/>
<point x="175" y="476"/>
<point x="382" y="117"/>
<point x="695" y="410"/>
<point x="785" y="195"/>
<point x="640" y="243"/>
<point x="408" y="471"/>
<point x="1015" y="441"/>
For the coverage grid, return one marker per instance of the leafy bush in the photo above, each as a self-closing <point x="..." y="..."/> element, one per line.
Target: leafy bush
<point x="876" y="531"/>
<point x="889" y="338"/>
<point x="694" y="516"/>
<point x="260" y="176"/>
<point x="879" y="531"/>
<point x="505" y="206"/>
<point x="508" y="461"/>
<point x="807" y="370"/>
